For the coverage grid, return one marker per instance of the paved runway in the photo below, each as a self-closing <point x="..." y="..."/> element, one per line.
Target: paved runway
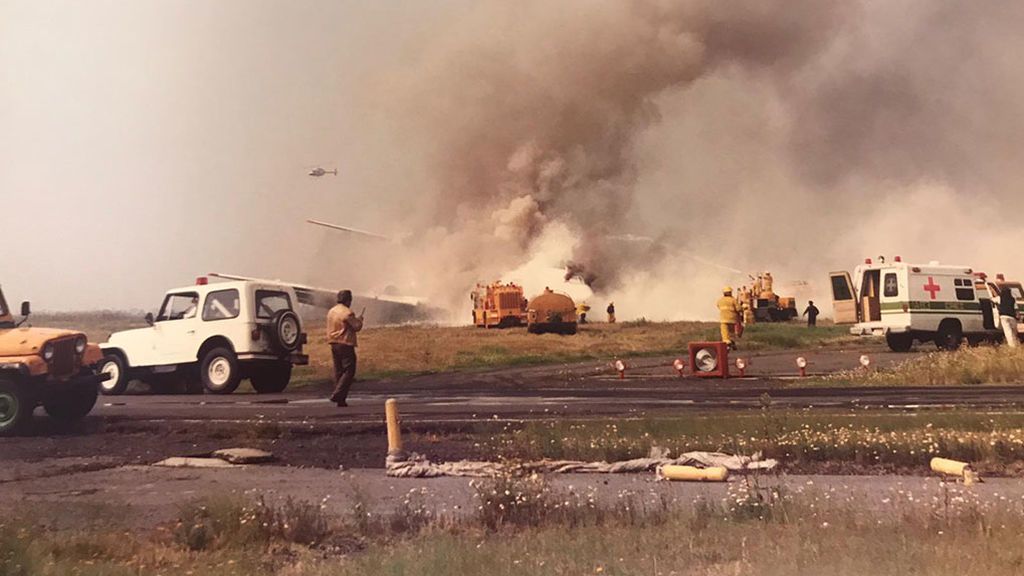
<point x="650" y="386"/>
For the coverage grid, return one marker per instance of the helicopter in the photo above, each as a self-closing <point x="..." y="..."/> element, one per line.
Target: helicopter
<point x="318" y="172"/>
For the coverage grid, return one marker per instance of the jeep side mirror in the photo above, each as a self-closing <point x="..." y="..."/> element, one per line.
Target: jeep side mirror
<point x="149" y="318"/>
<point x="26" y="308"/>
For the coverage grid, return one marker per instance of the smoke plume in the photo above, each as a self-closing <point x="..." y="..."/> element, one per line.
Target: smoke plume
<point x="650" y="148"/>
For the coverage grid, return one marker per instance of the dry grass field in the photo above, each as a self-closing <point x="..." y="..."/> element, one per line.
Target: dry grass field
<point x="391" y="351"/>
<point x="981" y="365"/>
<point x="403" y="350"/>
<point x="417" y="349"/>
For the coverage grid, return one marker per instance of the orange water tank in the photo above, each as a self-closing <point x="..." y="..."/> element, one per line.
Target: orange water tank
<point x="551" y="312"/>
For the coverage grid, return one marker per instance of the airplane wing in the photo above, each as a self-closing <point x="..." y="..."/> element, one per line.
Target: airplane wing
<point x="347" y="229"/>
<point x="322" y="297"/>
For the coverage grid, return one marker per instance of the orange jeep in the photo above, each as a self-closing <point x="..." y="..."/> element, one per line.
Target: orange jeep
<point x="55" y="368"/>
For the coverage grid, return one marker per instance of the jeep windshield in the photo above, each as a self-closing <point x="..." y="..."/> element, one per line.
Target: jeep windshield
<point x="5" y="319"/>
<point x="179" y="307"/>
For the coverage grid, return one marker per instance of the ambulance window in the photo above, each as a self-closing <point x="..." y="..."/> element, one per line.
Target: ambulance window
<point x="840" y="289"/>
<point x="892" y="287"/>
<point x="964" y="289"/>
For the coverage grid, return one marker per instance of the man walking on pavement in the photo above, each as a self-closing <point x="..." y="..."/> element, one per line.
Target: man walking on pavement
<point x="728" y="315"/>
<point x="812" y="314"/>
<point x="1008" y="316"/>
<point x="342" y="325"/>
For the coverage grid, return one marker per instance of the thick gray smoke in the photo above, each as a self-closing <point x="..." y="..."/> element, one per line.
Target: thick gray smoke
<point x="647" y="147"/>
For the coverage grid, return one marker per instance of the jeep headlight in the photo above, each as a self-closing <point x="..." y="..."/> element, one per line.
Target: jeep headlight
<point x="48" y="351"/>
<point x="80" y="345"/>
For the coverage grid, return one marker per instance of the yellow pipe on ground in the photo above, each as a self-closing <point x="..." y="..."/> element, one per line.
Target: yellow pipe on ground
<point x="950" y="467"/>
<point x="394" y="427"/>
<point x="694" y="474"/>
<point x="955" y="468"/>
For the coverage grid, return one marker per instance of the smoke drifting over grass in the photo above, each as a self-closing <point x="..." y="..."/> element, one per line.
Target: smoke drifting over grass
<point x="760" y="134"/>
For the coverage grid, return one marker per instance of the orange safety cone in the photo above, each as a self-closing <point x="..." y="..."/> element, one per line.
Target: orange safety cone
<point x="741" y="365"/>
<point x="620" y="366"/>
<point x="679" y="366"/>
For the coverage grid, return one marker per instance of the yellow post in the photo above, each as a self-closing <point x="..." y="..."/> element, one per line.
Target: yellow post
<point x="394" y="428"/>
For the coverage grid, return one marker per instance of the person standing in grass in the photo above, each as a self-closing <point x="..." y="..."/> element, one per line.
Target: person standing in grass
<point x="611" y="312"/>
<point x="729" y="312"/>
<point x="1008" y="316"/>
<point x="342" y="325"/>
<point x="812" y="314"/>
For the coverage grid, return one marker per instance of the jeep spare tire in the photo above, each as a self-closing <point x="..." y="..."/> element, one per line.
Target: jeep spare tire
<point x="114" y="365"/>
<point x="286" y="330"/>
<point x="15" y="407"/>
<point x="219" y="371"/>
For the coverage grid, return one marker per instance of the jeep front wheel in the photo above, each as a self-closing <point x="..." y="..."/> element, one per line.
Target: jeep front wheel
<point x="114" y="365"/>
<point x="71" y="405"/>
<point x="271" y="378"/>
<point x="219" y="371"/>
<point x="15" y="407"/>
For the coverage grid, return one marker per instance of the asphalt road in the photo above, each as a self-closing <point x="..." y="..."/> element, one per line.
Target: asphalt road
<point x="649" y="386"/>
<point x="441" y="412"/>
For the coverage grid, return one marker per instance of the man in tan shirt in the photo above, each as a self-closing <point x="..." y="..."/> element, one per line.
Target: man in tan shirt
<point x="342" y="325"/>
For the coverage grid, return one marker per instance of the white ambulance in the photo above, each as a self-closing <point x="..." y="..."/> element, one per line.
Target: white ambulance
<point x="919" y="302"/>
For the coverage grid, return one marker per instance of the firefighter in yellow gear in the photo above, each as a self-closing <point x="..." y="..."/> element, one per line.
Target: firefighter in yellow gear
<point x="581" y="312"/>
<point x="747" y="306"/>
<point x="758" y="286"/>
<point x="729" y="315"/>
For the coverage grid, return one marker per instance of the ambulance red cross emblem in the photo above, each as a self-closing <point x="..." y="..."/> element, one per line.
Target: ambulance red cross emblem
<point x="932" y="288"/>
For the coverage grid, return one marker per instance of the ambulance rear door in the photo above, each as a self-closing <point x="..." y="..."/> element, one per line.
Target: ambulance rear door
<point x="844" y="300"/>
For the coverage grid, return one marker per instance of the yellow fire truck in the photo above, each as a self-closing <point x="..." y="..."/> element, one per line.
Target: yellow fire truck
<point x="498" y="305"/>
<point x="764" y="304"/>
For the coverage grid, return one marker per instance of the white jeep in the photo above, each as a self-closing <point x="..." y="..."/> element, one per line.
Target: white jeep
<point x="211" y="336"/>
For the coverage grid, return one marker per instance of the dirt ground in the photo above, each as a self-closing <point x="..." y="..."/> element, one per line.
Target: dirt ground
<point x="144" y="496"/>
<point x="443" y="413"/>
<point x="100" y="470"/>
<point x="306" y="430"/>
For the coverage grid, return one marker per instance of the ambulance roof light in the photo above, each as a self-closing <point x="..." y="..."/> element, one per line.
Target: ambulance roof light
<point x="867" y="261"/>
<point x="202" y="281"/>
<point x="898" y="259"/>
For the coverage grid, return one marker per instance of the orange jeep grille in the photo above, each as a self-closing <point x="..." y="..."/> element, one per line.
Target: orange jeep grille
<point x="64" y="361"/>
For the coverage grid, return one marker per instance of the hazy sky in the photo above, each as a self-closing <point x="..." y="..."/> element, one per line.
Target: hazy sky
<point x="144" y="142"/>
